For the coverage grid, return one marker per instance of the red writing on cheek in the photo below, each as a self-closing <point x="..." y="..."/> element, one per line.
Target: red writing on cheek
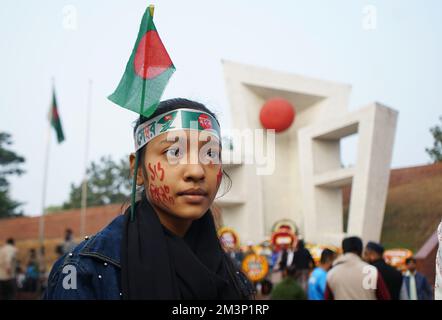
<point x="161" y="194"/>
<point x="152" y="172"/>
<point x="156" y="171"/>
<point x="219" y="176"/>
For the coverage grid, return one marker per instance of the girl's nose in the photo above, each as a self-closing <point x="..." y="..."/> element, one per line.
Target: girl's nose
<point x="194" y="172"/>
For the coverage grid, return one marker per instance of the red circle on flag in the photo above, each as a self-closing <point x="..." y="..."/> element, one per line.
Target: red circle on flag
<point x="204" y="121"/>
<point x="153" y="61"/>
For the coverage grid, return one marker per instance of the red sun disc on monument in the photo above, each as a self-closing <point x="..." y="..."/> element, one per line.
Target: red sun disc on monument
<point x="157" y="59"/>
<point x="277" y="114"/>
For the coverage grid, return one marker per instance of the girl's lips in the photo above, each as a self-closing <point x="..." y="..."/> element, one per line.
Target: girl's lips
<point x="193" y="198"/>
<point x="193" y="191"/>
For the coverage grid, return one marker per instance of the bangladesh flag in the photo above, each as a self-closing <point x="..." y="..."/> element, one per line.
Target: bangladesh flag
<point x="55" y="119"/>
<point x="147" y="72"/>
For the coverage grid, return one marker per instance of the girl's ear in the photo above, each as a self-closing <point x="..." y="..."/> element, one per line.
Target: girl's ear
<point x="140" y="179"/>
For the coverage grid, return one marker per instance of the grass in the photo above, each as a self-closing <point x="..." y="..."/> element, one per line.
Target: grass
<point x="413" y="212"/>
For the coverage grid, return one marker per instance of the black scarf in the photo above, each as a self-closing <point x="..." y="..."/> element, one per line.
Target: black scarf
<point x="156" y="264"/>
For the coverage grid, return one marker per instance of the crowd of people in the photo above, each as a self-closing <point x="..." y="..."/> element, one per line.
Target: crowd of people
<point x="27" y="279"/>
<point x="359" y="273"/>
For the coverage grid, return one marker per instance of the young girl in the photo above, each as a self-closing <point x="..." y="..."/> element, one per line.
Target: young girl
<point x="166" y="245"/>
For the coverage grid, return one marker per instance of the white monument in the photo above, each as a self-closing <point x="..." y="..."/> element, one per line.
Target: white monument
<point x="306" y="184"/>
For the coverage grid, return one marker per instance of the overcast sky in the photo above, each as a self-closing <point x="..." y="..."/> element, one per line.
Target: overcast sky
<point x="398" y="64"/>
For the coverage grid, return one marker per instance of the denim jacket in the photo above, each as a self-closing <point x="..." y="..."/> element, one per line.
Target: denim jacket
<point x="93" y="269"/>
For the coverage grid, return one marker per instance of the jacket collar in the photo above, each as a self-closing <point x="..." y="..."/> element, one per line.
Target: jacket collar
<point x="106" y="244"/>
<point x="409" y="274"/>
<point x="347" y="257"/>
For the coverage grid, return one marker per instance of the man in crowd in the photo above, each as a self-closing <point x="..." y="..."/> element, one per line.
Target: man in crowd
<point x="286" y="257"/>
<point x="415" y="284"/>
<point x="304" y="263"/>
<point x="318" y="279"/>
<point x="8" y="254"/>
<point x="373" y="254"/>
<point x="353" y="279"/>
<point x="69" y="243"/>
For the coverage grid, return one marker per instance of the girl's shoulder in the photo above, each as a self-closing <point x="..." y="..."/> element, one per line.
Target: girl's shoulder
<point x="92" y="269"/>
<point x="105" y="246"/>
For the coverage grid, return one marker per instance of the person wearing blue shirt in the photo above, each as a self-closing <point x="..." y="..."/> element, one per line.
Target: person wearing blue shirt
<point x="318" y="279"/>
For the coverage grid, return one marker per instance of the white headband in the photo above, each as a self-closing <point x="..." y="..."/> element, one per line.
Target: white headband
<point x="177" y="119"/>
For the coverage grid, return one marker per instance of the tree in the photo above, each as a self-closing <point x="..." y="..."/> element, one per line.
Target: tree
<point x="10" y="164"/>
<point x="108" y="182"/>
<point x="436" y="152"/>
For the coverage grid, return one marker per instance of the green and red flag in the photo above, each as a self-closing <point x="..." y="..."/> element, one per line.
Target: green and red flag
<point x="147" y="72"/>
<point x="54" y="118"/>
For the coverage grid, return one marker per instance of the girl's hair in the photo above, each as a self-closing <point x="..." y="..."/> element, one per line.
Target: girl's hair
<point x="166" y="106"/>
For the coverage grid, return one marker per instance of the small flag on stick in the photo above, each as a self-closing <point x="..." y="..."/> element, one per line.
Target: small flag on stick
<point x="147" y="72"/>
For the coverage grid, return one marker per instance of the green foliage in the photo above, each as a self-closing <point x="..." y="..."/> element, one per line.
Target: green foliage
<point x="412" y="213"/>
<point x="108" y="182"/>
<point x="435" y="152"/>
<point x="53" y="209"/>
<point x="10" y="164"/>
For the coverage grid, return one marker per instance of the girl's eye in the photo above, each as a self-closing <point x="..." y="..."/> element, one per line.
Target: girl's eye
<point x="213" y="154"/>
<point x="174" y="152"/>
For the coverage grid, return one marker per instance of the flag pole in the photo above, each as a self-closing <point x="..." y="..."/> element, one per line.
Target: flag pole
<point x="151" y="9"/>
<point x="86" y="156"/>
<point x="45" y="179"/>
<point x="137" y="153"/>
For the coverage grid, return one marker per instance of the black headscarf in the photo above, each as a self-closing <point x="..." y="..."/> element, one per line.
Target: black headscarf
<point x="157" y="264"/>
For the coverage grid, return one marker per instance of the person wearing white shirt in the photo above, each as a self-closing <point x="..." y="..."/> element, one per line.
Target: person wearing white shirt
<point x="415" y="284"/>
<point x="8" y="254"/>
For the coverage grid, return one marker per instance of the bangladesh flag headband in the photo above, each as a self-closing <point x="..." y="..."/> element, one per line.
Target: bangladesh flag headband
<point x="178" y="119"/>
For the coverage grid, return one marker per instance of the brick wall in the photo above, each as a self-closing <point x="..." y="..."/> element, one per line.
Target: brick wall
<point x="26" y="228"/>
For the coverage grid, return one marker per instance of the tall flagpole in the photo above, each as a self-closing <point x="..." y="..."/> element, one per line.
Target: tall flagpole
<point x="45" y="176"/>
<point x="86" y="156"/>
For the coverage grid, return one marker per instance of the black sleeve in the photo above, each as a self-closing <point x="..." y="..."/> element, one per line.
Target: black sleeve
<point x="243" y="284"/>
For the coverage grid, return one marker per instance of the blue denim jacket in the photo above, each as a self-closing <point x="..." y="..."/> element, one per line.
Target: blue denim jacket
<point x="96" y="262"/>
<point x="95" y="265"/>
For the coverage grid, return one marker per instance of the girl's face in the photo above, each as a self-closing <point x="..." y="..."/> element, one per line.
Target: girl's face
<point x="181" y="174"/>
